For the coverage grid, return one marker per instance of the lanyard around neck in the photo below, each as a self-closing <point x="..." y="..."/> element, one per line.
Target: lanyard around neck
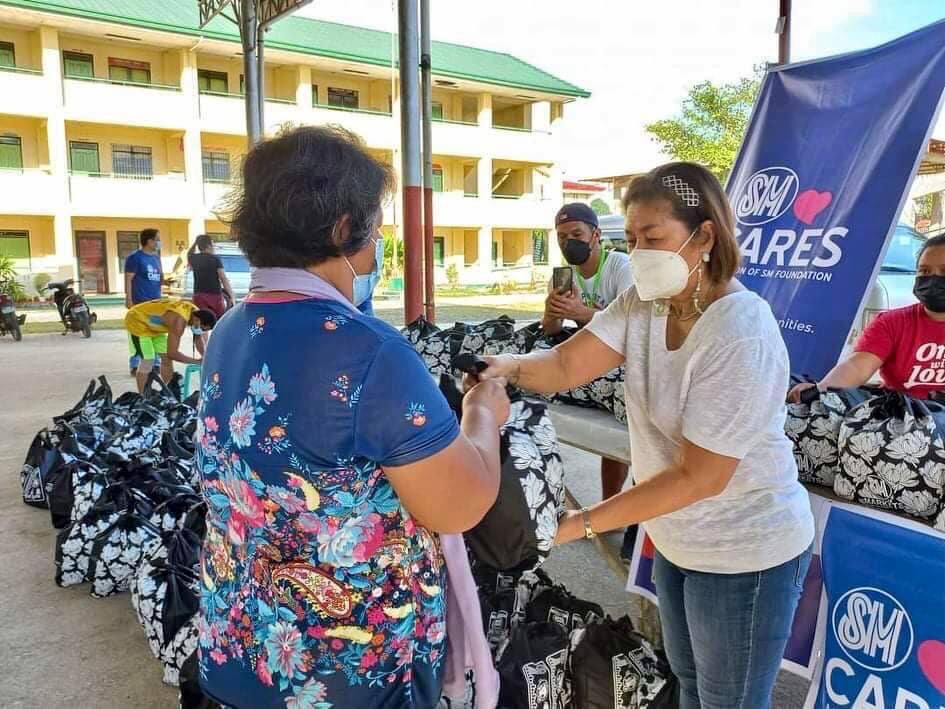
<point x="590" y="299"/>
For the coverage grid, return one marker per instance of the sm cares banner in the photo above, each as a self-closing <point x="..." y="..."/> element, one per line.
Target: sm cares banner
<point x="820" y="180"/>
<point x="884" y="626"/>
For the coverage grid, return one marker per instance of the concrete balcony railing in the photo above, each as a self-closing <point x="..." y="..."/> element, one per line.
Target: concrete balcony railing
<point x="29" y="191"/>
<point x="526" y="211"/>
<point x="125" y="103"/>
<point x="96" y="194"/>
<point x="522" y="144"/>
<point x="25" y="91"/>
<point x="377" y="128"/>
<point x="215" y="195"/>
<point x="458" y="210"/>
<point x="226" y="113"/>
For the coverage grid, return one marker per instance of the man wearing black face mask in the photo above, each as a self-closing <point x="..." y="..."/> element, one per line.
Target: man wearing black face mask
<point x="598" y="276"/>
<point x="906" y="345"/>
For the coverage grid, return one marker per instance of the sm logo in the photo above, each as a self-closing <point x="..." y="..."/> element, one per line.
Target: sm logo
<point x="765" y="196"/>
<point x="873" y="629"/>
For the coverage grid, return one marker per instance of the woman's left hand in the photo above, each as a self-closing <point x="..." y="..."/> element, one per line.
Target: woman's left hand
<point x="570" y="527"/>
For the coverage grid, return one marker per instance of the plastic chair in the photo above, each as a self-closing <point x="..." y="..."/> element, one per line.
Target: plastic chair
<point x="189" y="371"/>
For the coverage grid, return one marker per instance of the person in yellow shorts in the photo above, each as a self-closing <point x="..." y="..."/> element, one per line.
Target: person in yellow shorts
<point x="155" y="328"/>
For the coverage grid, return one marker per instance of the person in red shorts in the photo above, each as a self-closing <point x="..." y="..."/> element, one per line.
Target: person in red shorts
<point x="906" y="345"/>
<point x="210" y="281"/>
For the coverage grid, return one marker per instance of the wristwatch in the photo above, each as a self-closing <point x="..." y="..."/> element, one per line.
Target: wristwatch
<point x="589" y="533"/>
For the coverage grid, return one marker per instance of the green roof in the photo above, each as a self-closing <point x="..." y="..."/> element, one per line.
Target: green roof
<point x="314" y="37"/>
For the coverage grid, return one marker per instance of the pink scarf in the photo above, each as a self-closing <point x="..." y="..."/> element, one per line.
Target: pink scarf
<point x="467" y="647"/>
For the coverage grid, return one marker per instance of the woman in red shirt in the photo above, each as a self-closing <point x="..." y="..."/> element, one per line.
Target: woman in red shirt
<point x="906" y="345"/>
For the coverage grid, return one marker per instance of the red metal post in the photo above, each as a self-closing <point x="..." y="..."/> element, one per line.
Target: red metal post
<point x="408" y="40"/>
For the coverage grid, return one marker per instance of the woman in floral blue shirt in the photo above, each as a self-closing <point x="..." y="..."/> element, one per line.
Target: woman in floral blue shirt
<point x="329" y="458"/>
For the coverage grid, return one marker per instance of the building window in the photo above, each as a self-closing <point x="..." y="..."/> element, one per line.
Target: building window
<point x="132" y="161"/>
<point x="7" y="54"/>
<point x="495" y="254"/>
<point x="437" y="110"/>
<point x="439" y="251"/>
<point x="128" y="242"/>
<point x="11" y="152"/>
<point x="342" y="98"/>
<point x="216" y="166"/>
<point x="314" y="94"/>
<point x="437" y="178"/>
<point x="129" y="71"/>
<point x="539" y="248"/>
<point x="214" y="82"/>
<point x="83" y="157"/>
<point x="78" y="65"/>
<point x="470" y="109"/>
<point x="219" y="236"/>
<point x="16" y="245"/>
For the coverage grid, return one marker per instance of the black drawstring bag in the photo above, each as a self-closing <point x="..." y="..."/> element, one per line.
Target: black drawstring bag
<point x="43" y="461"/>
<point x="892" y="455"/>
<point x="116" y="553"/>
<point x="492" y="337"/>
<point x="814" y="428"/>
<point x="191" y="695"/>
<point x="95" y="400"/>
<point x="558" y="605"/>
<point x="614" y="667"/>
<point x="532" y="666"/>
<point x="523" y="522"/>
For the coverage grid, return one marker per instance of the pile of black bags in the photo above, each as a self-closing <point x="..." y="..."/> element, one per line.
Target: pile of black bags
<point x="875" y="447"/>
<point x="553" y="649"/>
<point x="118" y="479"/>
<point x="493" y="337"/>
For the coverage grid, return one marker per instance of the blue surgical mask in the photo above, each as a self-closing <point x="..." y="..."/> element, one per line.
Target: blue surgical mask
<point x="197" y="330"/>
<point x="363" y="285"/>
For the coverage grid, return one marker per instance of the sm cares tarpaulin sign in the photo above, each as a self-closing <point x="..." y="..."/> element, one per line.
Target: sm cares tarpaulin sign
<point x="821" y="178"/>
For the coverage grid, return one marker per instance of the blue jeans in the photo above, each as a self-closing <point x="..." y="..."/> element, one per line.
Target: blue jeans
<point x="725" y="633"/>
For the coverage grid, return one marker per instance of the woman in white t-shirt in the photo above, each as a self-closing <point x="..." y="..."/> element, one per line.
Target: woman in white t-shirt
<point x="716" y="483"/>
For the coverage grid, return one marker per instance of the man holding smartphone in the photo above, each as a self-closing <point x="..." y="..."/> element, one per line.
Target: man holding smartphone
<point x="598" y="277"/>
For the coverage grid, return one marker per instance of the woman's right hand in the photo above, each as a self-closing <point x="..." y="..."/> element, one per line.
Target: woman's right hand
<point x="794" y="397"/>
<point x="505" y="367"/>
<point x="491" y="396"/>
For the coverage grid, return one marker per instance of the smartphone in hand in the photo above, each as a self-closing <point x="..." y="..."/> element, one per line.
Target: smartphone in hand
<point x="562" y="279"/>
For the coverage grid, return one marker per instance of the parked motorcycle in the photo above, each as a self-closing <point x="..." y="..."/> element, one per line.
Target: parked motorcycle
<point x="73" y="308"/>
<point x="10" y="322"/>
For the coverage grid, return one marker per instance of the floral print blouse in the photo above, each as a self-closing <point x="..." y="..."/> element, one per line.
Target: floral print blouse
<point x="318" y="588"/>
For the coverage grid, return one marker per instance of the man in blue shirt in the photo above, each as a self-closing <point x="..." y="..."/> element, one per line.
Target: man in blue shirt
<point x="144" y="277"/>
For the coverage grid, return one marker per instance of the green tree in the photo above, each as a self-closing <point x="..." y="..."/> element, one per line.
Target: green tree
<point x="711" y="124"/>
<point x="600" y="207"/>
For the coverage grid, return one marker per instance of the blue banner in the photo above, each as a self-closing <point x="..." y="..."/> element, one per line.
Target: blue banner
<point x="884" y="640"/>
<point x="820" y="180"/>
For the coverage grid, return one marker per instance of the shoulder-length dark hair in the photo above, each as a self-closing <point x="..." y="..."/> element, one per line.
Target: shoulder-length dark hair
<point x="296" y="186"/>
<point x="670" y="183"/>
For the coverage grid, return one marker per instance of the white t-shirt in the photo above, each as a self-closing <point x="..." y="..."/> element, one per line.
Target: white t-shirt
<point x="724" y="391"/>
<point x="615" y="278"/>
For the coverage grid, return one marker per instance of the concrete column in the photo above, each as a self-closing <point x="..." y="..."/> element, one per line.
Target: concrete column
<point x="58" y="151"/>
<point x="484" y="264"/>
<point x="193" y="145"/>
<point x="303" y="90"/>
<point x="485" y="111"/>
<point x="541" y="116"/>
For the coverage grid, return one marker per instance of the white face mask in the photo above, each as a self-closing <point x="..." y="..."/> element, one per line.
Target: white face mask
<point x="660" y="274"/>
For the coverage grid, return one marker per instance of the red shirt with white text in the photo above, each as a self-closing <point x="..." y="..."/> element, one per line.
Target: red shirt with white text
<point x="912" y="347"/>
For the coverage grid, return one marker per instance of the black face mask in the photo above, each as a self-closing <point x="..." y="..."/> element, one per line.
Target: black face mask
<point x="930" y="290"/>
<point x="576" y="252"/>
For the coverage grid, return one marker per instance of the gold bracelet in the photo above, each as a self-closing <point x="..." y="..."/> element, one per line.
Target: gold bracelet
<point x="589" y="533"/>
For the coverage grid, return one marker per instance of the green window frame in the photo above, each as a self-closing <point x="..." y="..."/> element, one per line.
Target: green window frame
<point x="132" y="161"/>
<point x="539" y="248"/>
<point x="216" y="82"/>
<point x="216" y="166"/>
<point x="11" y="152"/>
<point x="437" y="178"/>
<point x="129" y="71"/>
<point x="16" y="245"/>
<point x="78" y="65"/>
<point x="439" y="250"/>
<point x="7" y="54"/>
<point x="84" y="158"/>
<point x="343" y="98"/>
<point x="437" y="110"/>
